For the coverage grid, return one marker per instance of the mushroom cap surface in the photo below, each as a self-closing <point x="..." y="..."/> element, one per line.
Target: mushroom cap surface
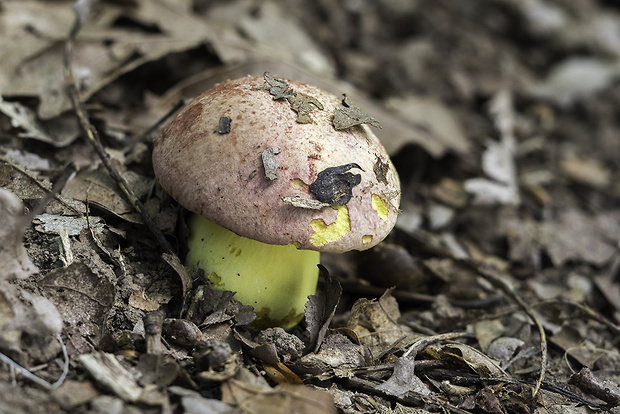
<point x="218" y="172"/>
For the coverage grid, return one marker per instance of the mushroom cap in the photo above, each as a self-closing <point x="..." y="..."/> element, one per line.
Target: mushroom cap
<point x="219" y="174"/>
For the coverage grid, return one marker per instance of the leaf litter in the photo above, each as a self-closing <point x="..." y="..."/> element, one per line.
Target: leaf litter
<point x="509" y="191"/>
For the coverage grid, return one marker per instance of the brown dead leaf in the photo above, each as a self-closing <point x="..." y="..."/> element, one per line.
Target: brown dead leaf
<point x="72" y="394"/>
<point x="84" y="299"/>
<point x="283" y="399"/>
<point x="431" y="125"/>
<point x="208" y="306"/>
<point x="139" y="299"/>
<point x="466" y="355"/>
<point x="573" y="342"/>
<point x="107" y="51"/>
<point x="404" y="380"/>
<point x="573" y="236"/>
<point x="382" y="315"/>
<point x="107" y="372"/>
<point x="321" y="307"/>
<point x="98" y="188"/>
<point x="337" y="356"/>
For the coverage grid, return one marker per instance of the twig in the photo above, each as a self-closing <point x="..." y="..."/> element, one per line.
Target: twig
<point x="63" y="179"/>
<point x="588" y="311"/>
<point x="167" y="252"/>
<point x="34" y="378"/>
<point x="411" y="399"/>
<point x="40" y="184"/>
<point x="423" y="342"/>
<point x="603" y="390"/>
<point x="508" y="289"/>
<point x="93" y="137"/>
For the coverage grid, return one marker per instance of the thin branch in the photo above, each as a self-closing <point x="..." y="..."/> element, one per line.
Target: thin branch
<point x="34" y="378"/>
<point x="507" y="288"/>
<point x="93" y="137"/>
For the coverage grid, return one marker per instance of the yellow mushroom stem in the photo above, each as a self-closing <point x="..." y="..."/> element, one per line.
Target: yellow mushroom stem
<point x="275" y="280"/>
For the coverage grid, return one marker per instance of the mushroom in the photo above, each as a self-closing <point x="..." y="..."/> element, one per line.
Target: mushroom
<point x="261" y="218"/>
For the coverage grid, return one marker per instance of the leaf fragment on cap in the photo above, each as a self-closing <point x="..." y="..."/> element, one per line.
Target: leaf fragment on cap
<point x="334" y="185"/>
<point x="301" y="103"/>
<point x="277" y="87"/>
<point x="270" y="163"/>
<point x="349" y="115"/>
<point x="381" y="169"/>
<point x="300" y="202"/>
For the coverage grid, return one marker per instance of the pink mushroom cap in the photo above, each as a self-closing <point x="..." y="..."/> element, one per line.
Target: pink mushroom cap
<point x="219" y="174"/>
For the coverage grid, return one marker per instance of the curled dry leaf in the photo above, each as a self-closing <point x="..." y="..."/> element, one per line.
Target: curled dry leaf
<point x="321" y="308"/>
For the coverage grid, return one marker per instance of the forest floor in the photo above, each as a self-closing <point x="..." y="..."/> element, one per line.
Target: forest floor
<point x="498" y="291"/>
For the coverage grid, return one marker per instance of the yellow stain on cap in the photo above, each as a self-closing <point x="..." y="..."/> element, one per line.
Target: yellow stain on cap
<point x="327" y="233"/>
<point x="379" y="206"/>
<point x="366" y="239"/>
<point x="297" y="184"/>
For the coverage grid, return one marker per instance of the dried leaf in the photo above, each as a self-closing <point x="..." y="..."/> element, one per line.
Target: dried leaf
<point x="97" y="187"/>
<point x="288" y="346"/>
<point x="300" y="202"/>
<point x="270" y="163"/>
<point x="107" y="51"/>
<point x="461" y="354"/>
<point x="74" y="393"/>
<point x="277" y="87"/>
<point x="487" y="331"/>
<point x="208" y="307"/>
<point x="83" y="299"/>
<point x="301" y="103"/>
<point x="381" y="169"/>
<point x="573" y="236"/>
<point x="337" y="356"/>
<point x="349" y="115"/>
<point x="573" y="343"/>
<point x="403" y="380"/>
<point x="53" y="224"/>
<point x="379" y="328"/>
<point x="586" y="170"/>
<point x="427" y="122"/>
<point x="575" y="79"/>
<point x="194" y="403"/>
<point x="263" y="352"/>
<point x="283" y="399"/>
<point x="45" y="318"/>
<point x="321" y="307"/>
<point x="22" y="117"/>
